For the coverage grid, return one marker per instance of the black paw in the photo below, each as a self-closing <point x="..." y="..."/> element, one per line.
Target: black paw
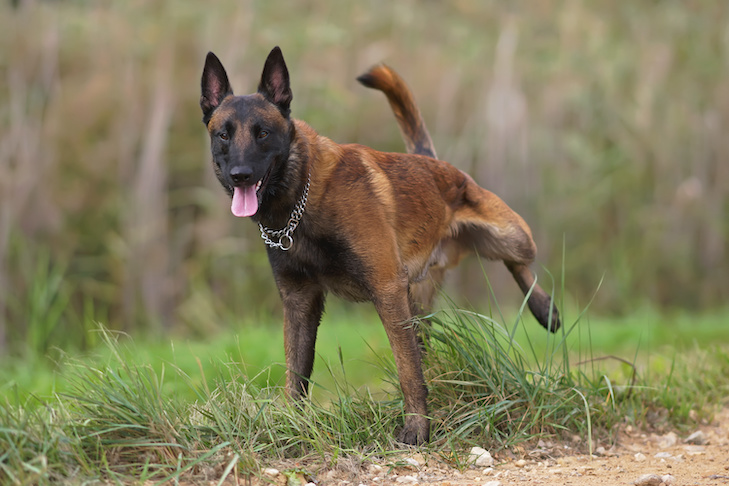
<point x="416" y="430"/>
<point x="541" y="308"/>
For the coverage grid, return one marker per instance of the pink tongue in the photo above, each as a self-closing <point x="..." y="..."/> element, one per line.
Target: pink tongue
<point x="245" y="201"/>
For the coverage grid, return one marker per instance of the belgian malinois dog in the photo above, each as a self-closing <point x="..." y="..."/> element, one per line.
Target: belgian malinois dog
<point x="365" y="225"/>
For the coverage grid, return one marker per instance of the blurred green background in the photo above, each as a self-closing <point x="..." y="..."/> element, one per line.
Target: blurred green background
<point x="603" y="123"/>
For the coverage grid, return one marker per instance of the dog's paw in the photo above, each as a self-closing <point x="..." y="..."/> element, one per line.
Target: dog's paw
<point x="541" y="306"/>
<point x="416" y="430"/>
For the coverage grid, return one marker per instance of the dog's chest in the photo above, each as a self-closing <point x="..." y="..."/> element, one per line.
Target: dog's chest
<point x="346" y="288"/>
<point x="325" y="261"/>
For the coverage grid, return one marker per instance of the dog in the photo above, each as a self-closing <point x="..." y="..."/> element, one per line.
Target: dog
<point x="362" y="224"/>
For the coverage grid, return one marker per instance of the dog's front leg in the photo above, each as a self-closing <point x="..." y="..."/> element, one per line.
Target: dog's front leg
<point x="392" y="305"/>
<point x="303" y="305"/>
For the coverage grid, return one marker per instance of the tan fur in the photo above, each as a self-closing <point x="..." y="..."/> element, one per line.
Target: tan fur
<point x="379" y="227"/>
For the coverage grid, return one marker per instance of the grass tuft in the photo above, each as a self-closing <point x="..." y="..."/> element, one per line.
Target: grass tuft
<point x="119" y="417"/>
<point x="487" y="389"/>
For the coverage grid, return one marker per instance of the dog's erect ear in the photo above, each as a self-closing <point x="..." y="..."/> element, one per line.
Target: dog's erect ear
<point x="275" y="85"/>
<point x="215" y="86"/>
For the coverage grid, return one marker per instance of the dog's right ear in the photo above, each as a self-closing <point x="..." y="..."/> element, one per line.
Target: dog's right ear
<point x="215" y="86"/>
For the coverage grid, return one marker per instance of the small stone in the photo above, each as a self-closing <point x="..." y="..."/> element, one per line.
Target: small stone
<point x="694" y="450"/>
<point x="640" y="457"/>
<point x="663" y="455"/>
<point x="648" y="480"/>
<point x="697" y="438"/>
<point x="406" y="480"/>
<point x="668" y="480"/>
<point x="481" y="457"/>
<point x="600" y="451"/>
<point x="271" y="472"/>
<point x="520" y="463"/>
<point x="492" y="483"/>
<point x="412" y="462"/>
<point x="668" y="440"/>
<point x="488" y="471"/>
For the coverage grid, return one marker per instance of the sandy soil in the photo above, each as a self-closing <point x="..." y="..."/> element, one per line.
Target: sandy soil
<point x="669" y="458"/>
<point x="698" y="458"/>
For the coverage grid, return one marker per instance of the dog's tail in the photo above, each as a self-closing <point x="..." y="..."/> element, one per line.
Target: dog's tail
<point x="411" y="123"/>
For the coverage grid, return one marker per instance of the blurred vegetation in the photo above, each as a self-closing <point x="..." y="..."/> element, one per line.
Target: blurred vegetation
<point x="603" y="123"/>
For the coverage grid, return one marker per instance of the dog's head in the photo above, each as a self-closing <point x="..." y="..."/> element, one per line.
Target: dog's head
<point x="250" y="135"/>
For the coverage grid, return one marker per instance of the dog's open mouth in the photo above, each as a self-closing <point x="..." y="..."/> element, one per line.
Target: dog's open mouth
<point x="245" y="200"/>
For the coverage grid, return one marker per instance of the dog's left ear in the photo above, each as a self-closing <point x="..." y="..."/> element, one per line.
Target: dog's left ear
<point x="274" y="84"/>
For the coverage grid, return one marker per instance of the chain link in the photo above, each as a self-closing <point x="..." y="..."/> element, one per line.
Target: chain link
<point x="283" y="238"/>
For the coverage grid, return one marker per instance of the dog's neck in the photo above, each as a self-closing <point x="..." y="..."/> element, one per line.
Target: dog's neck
<point x="291" y="179"/>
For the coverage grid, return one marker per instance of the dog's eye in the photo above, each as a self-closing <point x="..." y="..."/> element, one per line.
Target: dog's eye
<point x="262" y="134"/>
<point x="223" y="136"/>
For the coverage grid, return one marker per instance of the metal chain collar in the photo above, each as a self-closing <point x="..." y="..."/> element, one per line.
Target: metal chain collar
<point x="283" y="238"/>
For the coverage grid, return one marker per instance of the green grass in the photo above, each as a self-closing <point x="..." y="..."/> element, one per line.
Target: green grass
<point x="649" y="338"/>
<point x="135" y="413"/>
<point x="357" y="335"/>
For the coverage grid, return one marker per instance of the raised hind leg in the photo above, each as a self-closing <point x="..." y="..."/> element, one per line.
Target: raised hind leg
<point x="496" y="232"/>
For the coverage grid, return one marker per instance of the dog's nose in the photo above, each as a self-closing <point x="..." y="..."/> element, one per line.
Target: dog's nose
<point x="241" y="174"/>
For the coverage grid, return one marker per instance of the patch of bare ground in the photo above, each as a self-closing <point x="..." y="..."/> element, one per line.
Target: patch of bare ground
<point x="639" y="458"/>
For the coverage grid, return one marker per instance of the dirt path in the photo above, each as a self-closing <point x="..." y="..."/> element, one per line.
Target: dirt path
<point x="700" y="458"/>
